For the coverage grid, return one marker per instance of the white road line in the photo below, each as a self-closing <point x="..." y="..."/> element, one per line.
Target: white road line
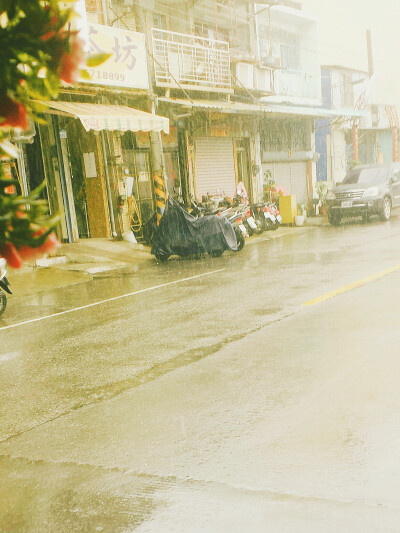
<point x="111" y="299"/>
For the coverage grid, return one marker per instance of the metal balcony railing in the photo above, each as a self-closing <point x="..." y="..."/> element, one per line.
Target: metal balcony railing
<point x="191" y="62"/>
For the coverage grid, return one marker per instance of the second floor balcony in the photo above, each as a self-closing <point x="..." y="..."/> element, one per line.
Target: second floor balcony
<point x="191" y="62"/>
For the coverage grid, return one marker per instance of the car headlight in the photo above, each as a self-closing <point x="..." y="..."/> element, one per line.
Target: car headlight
<point x="330" y="196"/>
<point x="372" y="191"/>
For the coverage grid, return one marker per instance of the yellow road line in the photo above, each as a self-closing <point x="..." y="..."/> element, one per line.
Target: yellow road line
<point x="352" y="286"/>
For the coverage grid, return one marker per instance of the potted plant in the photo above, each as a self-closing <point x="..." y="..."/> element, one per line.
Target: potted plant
<point x="269" y="187"/>
<point x="322" y="189"/>
<point x="300" y="217"/>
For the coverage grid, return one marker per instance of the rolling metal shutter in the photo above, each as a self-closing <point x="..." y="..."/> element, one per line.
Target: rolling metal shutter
<point x="299" y="181"/>
<point x="292" y="176"/>
<point x="215" y="167"/>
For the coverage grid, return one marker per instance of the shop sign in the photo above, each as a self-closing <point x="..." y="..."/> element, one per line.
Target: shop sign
<point x="89" y="161"/>
<point x="127" y="65"/>
<point x="142" y="139"/>
<point x="218" y="131"/>
<point x="171" y="138"/>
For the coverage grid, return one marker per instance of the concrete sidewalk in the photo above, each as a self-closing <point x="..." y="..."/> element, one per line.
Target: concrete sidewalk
<point x="77" y="263"/>
<point x="89" y="258"/>
<point x="96" y="256"/>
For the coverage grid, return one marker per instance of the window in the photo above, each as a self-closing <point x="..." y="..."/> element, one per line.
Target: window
<point x="367" y="176"/>
<point x="290" y="56"/>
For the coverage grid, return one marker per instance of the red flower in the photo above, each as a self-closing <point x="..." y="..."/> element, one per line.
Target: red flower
<point x="49" y="244"/>
<point x="27" y="252"/>
<point x="10" y="189"/>
<point x="10" y="254"/>
<point x="71" y="62"/>
<point x="12" y="114"/>
<point x="48" y="35"/>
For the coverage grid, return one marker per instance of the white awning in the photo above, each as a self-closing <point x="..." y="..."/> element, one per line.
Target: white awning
<point x="100" y="117"/>
<point x="239" y="107"/>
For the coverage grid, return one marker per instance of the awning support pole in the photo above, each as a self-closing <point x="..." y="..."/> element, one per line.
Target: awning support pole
<point x="109" y="194"/>
<point x="56" y="130"/>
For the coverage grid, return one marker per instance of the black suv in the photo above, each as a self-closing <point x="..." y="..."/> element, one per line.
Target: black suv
<point x="366" y="190"/>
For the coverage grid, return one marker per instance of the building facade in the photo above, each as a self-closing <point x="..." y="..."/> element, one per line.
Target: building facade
<point x="195" y="98"/>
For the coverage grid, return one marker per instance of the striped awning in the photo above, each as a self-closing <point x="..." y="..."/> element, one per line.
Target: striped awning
<point x="100" y="117"/>
<point x="262" y="107"/>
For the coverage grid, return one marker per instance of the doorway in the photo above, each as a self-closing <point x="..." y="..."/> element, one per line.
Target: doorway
<point x="243" y="167"/>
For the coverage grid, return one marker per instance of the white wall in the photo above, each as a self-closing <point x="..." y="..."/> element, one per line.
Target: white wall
<point x="303" y="82"/>
<point x="337" y="154"/>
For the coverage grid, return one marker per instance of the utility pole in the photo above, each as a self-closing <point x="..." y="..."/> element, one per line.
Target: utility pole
<point x="156" y="149"/>
<point x="374" y="108"/>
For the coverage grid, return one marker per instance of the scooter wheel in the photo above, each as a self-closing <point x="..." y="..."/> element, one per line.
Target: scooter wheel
<point x="267" y="225"/>
<point x="161" y="256"/>
<point x="250" y="231"/>
<point x="240" y="239"/>
<point x="3" y="302"/>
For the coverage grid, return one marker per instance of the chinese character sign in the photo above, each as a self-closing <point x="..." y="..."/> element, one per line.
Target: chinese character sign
<point x="127" y="66"/>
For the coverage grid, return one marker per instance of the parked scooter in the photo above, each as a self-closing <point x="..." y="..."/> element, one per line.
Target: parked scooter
<point x="255" y="219"/>
<point x="272" y="217"/>
<point x="4" y="286"/>
<point x="236" y="218"/>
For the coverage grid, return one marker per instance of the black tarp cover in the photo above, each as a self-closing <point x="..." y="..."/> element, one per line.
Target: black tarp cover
<point x="179" y="233"/>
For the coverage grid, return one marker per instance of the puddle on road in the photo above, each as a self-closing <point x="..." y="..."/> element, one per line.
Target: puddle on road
<point x="265" y="312"/>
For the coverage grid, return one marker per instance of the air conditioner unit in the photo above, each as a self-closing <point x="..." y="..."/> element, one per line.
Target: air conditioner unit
<point x="244" y="74"/>
<point x="271" y="61"/>
<point x="263" y="79"/>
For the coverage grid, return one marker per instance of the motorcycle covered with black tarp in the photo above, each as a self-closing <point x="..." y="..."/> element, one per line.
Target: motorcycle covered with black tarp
<point x="180" y="233"/>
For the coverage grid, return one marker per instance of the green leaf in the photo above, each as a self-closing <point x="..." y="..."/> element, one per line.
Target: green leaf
<point x="6" y="182"/>
<point x="37" y="89"/>
<point x="52" y="83"/>
<point x="36" y="192"/>
<point x="97" y="59"/>
<point x="9" y="149"/>
<point x="38" y="107"/>
<point x="84" y="75"/>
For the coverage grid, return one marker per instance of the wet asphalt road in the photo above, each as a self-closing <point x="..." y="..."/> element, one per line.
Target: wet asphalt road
<point x="211" y="398"/>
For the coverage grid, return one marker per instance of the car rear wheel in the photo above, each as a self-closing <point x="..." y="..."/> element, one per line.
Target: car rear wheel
<point x="386" y="209"/>
<point x="334" y="219"/>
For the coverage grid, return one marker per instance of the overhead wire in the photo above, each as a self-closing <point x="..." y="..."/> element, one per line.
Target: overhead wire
<point x="166" y="11"/>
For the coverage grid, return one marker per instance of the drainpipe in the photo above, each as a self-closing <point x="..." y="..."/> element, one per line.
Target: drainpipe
<point x="105" y="16"/>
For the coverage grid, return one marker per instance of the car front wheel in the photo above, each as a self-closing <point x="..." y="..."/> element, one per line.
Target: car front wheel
<point x="386" y="209"/>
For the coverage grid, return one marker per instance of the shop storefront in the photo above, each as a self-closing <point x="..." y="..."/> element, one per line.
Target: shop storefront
<point x="286" y="154"/>
<point x="291" y="175"/>
<point x="89" y="147"/>
<point x="214" y="166"/>
<point x="223" y="158"/>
